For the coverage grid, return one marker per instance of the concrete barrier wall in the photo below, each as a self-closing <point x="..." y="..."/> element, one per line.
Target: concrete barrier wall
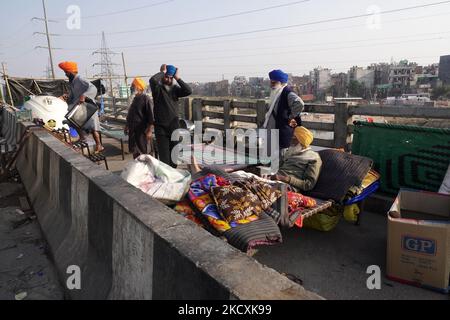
<point x="127" y="245"/>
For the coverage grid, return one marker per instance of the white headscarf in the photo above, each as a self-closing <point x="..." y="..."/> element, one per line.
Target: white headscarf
<point x="274" y="97"/>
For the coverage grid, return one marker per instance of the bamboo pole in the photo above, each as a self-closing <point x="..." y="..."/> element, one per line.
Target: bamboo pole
<point x="1" y="94"/>
<point x="7" y="84"/>
<point x="124" y="70"/>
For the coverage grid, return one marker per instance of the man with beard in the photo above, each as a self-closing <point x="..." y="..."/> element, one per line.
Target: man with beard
<point x="167" y="88"/>
<point x="82" y="91"/>
<point x="140" y="121"/>
<point x="285" y="109"/>
<point x="300" y="165"/>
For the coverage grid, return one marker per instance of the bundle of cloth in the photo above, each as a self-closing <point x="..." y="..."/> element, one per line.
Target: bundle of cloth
<point x="157" y="179"/>
<point x="238" y="207"/>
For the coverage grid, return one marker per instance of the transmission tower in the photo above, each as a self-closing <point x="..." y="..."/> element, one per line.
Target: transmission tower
<point x="106" y="65"/>
<point x="47" y="34"/>
<point x="48" y="71"/>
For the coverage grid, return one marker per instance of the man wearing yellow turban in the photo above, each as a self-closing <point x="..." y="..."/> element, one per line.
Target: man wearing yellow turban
<point x="140" y="120"/>
<point x="82" y="91"/>
<point x="301" y="165"/>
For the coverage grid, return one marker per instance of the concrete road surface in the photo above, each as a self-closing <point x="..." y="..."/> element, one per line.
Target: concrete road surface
<point x="334" y="264"/>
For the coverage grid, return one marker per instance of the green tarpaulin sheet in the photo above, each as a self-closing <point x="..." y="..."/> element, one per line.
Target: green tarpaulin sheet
<point x="405" y="156"/>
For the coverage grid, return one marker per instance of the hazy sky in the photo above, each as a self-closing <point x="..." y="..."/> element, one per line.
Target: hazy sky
<point x="420" y="35"/>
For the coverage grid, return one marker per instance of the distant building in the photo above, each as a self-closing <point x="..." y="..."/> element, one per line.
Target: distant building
<point x="339" y="83"/>
<point x="402" y="76"/>
<point x="240" y="87"/>
<point x="427" y="78"/>
<point x="362" y="75"/>
<point x="256" y="81"/>
<point x="217" y="89"/>
<point x="444" y="70"/>
<point x="302" y="85"/>
<point x="321" y="80"/>
<point x="382" y="71"/>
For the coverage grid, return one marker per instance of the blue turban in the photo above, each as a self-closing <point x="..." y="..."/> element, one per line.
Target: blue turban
<point x="278" y="75"/>
<point x="171" y="70"/>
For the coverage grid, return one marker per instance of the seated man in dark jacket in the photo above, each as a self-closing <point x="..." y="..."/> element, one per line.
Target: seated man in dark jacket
<point x="166" y="94"/>
<point x="301" y="165"/>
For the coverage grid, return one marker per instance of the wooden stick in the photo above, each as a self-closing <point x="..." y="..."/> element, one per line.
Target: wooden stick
<point x="7" y="84"/>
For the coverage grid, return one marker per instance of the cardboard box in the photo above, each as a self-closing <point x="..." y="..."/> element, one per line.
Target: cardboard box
<point x="418" y="250"/>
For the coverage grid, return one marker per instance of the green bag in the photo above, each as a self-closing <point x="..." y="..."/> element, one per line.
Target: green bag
<point x="324" y="221"/>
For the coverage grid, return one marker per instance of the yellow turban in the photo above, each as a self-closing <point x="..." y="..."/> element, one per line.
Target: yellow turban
<point x="304" y="136"/>
<point x="69" y="66"/>
<point x="139" y="84"/>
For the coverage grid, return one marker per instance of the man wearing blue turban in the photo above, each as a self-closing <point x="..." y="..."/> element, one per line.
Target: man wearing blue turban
<point x="167" y="88"/>
<point x="285" y="109"/>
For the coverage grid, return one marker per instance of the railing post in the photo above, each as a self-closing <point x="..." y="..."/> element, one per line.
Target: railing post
<point x="197" y="110"/>
<point x="113" y="100"/>
<point x="260" y="112"/>
<point x="226" y="115"/>
<point x="187" y="109"/>
<point x="342" y="119"/>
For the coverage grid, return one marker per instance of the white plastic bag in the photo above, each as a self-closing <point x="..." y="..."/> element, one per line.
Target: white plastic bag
<point x="445" y="188"/>
<point x="157" y="179"/>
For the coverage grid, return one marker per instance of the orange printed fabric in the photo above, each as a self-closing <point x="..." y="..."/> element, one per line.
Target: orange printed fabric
<point x="298" y="201"/>
<point x="184" y="208"/>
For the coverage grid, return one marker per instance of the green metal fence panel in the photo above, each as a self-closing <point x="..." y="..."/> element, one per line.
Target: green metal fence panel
<point x="405" y="156"/>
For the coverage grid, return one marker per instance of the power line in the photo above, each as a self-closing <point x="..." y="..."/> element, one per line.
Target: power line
<point x="23" y="40"/>
<point x="317" y="44"/>
<point x="121" y="11"/>
<point x="196" y="21"/>
<point x="277" y="35"/>
<point x="282" y="28"/>
<point x="311" y="50"/>
<point x="19" y="30"/>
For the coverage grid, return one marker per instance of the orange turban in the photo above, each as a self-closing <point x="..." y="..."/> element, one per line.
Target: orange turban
<point x="304" y="136"/>
<point x="139" y="84"/>
<point x="69" y="66"/>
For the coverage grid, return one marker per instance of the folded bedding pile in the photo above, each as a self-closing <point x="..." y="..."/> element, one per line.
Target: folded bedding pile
<point x="233" y="211"/>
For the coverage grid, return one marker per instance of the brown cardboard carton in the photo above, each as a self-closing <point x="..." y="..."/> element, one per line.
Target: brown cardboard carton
<point x="418" y="250"/>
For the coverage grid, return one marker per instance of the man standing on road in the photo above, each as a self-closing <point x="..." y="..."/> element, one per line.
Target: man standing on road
<point x="167" y="88"/>
<point x="285" y="109"/>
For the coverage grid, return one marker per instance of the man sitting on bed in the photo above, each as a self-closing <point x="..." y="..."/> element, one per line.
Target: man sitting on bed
<point x="300" y="166"/>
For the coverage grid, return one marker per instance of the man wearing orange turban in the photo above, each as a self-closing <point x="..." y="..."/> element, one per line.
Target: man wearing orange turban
<point x="82" y="91"/>
<point x="69" y="67"/>
<point x="140" y="120"/>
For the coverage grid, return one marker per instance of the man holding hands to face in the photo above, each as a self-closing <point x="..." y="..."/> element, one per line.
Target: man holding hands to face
<point x="167" y="88"/>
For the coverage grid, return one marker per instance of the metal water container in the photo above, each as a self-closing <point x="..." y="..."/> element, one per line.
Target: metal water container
<point x="81" y="114"/>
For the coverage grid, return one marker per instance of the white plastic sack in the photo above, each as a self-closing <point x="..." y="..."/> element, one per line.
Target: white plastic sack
<point x="157" y="179"/>
<point x="445" y="188"/>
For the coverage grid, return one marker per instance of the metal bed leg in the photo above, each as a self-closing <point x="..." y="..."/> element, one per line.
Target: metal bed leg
<point x="361" y="209"/>
<point x="123" y="152"/>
